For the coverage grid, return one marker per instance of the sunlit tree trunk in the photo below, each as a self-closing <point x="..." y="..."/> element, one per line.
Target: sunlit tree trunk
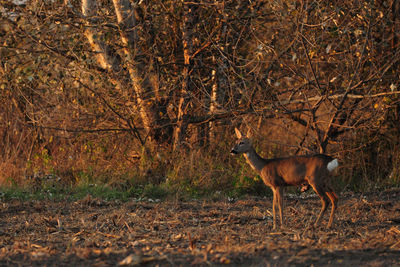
<point x="103" y="55"/>
<point x="218" y="76"/>
<point x="213" y="105"/>
<point x="137" y="72"/>
<point x="181" y="125"/>
<point x="110" y="60"/>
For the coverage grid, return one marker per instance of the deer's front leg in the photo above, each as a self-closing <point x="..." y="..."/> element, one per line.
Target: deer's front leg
<point x="279" y="192"/>
<point x="273" y="208"/>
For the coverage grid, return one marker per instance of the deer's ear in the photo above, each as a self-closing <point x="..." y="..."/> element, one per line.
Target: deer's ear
<point x="249" y="133"/>
<point x="238" y="133"/>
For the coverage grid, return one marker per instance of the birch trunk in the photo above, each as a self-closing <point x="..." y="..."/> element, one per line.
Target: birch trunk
<point x="181" y="124"/>
<point x="127" y="22"/>
<point x="219" y="81"/>
<point x="105" y="59"/>
<point x="213" y="106"/>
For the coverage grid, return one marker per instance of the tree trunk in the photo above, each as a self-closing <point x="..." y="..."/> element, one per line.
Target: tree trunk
<point x="137" y="72"/>
<point x="181" y="125"/>
<point x="104" y="56"/>
<point x="218" y="76"/>
<point x="213" y="106"/>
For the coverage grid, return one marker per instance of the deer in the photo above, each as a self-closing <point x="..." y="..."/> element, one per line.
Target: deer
<point x="278" y="173"/>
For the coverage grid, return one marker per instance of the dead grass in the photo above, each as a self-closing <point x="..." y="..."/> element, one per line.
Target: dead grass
<point x="10" y="174"/>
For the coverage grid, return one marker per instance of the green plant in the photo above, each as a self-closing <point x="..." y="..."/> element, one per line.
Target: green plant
<point x="154" y="191"/>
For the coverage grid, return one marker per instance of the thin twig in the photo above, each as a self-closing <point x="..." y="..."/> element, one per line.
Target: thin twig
<point x="349" y="87"/>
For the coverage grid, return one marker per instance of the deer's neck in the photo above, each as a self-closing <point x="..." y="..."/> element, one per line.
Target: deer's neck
<point x="255" y="160"/>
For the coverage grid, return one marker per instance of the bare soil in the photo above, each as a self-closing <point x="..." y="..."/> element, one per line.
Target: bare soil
<point x="92" y="232"/>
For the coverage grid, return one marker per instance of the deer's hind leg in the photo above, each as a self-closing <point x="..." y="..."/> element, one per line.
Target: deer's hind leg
<point x="324" y="199"/>
<point x="333" y="197"/>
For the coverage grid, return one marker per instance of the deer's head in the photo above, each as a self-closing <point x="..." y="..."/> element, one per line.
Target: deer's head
<point x="243" y="144"/>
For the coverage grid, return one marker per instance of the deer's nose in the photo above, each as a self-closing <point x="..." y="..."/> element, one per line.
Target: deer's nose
<point x="233" y="152"/>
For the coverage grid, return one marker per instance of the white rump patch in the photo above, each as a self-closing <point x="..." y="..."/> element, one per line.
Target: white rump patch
<point x="332" y="165"/>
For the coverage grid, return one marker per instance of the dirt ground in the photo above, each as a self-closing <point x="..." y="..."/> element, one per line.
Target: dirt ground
<point x="92" y="232"/>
